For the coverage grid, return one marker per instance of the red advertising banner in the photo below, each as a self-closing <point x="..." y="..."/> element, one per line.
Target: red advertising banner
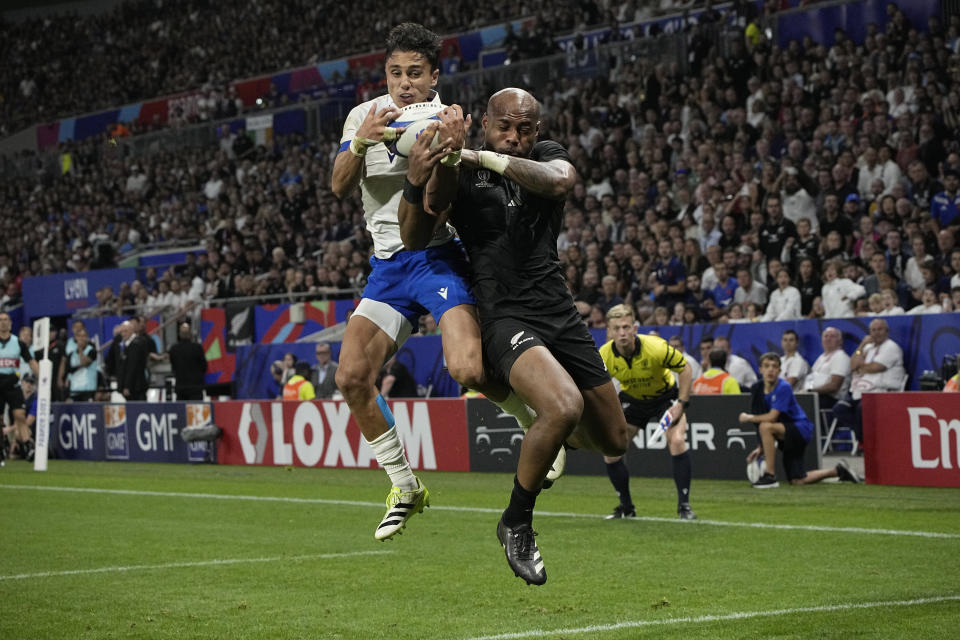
<point x="324" y="434"/>
<point x="912" y="438"/>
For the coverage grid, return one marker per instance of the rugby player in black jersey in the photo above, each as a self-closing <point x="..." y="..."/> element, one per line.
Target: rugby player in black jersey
<point x="506" y="202"/>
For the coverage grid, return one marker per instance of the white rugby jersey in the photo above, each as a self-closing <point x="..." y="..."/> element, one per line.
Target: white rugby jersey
<point x="382" y="185"/>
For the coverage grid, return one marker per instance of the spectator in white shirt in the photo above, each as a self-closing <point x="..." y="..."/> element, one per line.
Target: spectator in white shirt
<point x="839" y="294"/>
<point x="891" y="170"/>
<point x="214" y="186"/>
<point x="738" y="367"/>
<point x="912" y="273"/>
<point x="709" y="234"/>
<point x="796" y="199"/>
<point x="177" y="297"/>
<point x="793" y="367"/>
<point x="870" y="169"/>
<point x="888" y="298"/>
<point x="708" y="280"/>
<point x="929" y="304"/>
<point x="955" y="265"/>
<point x="748" y="289"/>
<point x="137" y="180"/>
<point x="784" y="301"/>
<point x="159" y="300"/>
<point x="829" y="376"/>
<point x="877" y="366"/>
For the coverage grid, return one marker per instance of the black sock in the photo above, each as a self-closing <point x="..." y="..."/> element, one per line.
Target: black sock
<point x="520" y="509"/>
<point x="682" y="473"/>
<point x="620" y="479"/>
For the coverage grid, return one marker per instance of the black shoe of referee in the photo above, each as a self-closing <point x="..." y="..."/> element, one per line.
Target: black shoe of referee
<point x="685" y="512"/>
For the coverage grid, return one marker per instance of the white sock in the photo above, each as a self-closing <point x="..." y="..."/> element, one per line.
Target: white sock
<point x="390" y="455"/>
<point x="513" y="405"/>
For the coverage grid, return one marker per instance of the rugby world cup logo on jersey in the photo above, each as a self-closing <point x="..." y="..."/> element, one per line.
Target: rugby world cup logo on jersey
<point x="198" y="415"/>
<point x="483" y="178"/>
<point x="115" y="426"/>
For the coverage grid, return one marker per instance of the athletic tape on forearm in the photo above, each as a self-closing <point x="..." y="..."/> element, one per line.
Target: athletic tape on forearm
<point x="359" y="146"/>
<point x="452" y="160"/>
<point x="494" y="161"/>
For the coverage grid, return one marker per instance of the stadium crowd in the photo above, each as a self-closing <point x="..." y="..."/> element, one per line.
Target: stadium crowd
<point x="266" y="219"/>
<point x="148" y="48"/>
<point x="762" y="184"/>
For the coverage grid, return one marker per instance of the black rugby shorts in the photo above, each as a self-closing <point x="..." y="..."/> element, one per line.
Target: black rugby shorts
<point x="564" y="334"/>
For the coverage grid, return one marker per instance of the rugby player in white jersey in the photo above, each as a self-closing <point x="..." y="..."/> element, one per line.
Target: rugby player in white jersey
<point x="403" y="285"/>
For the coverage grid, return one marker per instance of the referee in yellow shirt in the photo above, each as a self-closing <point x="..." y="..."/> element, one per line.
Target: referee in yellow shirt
<point x="654" y="377"/>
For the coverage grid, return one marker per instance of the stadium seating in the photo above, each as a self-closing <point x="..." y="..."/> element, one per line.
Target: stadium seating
<point x="661" y="145"/>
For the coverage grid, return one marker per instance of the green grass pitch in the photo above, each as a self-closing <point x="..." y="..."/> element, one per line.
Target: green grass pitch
<point x="101" y="550"/>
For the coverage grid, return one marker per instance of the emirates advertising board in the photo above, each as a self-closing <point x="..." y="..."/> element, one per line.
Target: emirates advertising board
<point x="912" y="438"/>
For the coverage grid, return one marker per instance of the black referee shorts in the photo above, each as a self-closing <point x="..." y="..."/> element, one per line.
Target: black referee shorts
<point x="563" y="333"/>
<point x="11" y="396"/>
<point x="640" y="412"/>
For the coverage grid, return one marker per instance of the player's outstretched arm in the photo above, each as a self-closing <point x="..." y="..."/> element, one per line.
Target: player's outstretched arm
<point x="443" y="184"/>
<point x="553" y="179"/>
<point x="349" y="165"/>
<point x="416" y="224"/>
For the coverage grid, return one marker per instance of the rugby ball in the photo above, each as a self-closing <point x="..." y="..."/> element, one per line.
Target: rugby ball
<point x="415" y="117"/>
<point x="755" y="469"/>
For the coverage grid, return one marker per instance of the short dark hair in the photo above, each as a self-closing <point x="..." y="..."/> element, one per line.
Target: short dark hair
<point x="302" y="368"/>
<point x="792" y="333"/>
<point x="718" y="359"/>
<point x="410" y="36"/>
<point x="706" y="340"/>
<point x="769" y="355"/>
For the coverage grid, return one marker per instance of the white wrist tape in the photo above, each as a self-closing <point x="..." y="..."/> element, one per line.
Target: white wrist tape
<point x="494" y="161"/>
<point x="359" y="146"/>
<point x="452" y="160"/>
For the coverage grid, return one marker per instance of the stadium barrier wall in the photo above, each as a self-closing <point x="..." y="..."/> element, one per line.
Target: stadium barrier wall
<point x="63" y="293"/>
<point x="470" y="435"/>
<point x="324" y="434"/>
<point x="719" y="444"/>
<point x="132" y="431"/>
<point x="912" y="439"/>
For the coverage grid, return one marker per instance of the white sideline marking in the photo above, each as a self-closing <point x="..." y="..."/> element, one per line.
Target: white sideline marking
<point x="199" y="563"/>
<point x="540" y="514"/>
<point x="740" y="615"/>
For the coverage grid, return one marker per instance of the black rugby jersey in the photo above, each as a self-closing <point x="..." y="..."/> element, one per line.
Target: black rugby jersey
<point x="510" y="235"/>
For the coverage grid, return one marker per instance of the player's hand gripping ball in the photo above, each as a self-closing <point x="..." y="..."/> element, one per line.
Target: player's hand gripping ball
<point x="415" y="117"/>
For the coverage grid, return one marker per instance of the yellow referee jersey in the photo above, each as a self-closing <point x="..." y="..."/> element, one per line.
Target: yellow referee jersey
<point x="649" y="373"/>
